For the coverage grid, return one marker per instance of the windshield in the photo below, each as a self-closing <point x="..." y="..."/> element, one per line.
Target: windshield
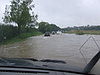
<point x="63" y="31"/>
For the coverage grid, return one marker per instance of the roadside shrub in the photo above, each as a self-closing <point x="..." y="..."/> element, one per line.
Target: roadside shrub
<point x="7" y="32"/>
<point x="78" y="32"/>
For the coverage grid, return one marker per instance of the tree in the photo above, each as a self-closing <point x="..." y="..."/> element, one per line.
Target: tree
<point x="46" y="27"/>
<point x="20" y="12"/>
<point x="42" y="27"/>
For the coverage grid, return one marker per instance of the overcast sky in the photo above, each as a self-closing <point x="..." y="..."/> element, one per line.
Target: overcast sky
<point x="64" y="13"/>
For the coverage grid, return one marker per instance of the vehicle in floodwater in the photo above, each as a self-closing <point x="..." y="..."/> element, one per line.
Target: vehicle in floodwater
<point x="30" y="66"/>
<point x="59" y="32"/>
<point x="47" y="34"/>
<point x="53" y="32"/>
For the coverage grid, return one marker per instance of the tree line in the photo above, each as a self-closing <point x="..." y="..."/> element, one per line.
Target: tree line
<point x="88" y="27"/>
<point x="8" y="31"/>
<point x="46" y="27"/>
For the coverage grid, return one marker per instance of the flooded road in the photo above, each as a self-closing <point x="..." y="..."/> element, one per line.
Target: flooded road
<point x="62" y="47"/>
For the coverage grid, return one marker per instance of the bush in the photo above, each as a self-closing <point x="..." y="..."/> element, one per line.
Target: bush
<point x="7" y="32"/>
<point x="78" y="32"/>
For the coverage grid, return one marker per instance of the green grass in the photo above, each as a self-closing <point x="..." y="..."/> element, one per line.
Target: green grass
<point x="26" y="35"/>
<point x="21" y="37"/>
<point x="81" y="32"/>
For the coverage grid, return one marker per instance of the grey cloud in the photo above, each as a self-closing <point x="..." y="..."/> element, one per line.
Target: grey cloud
<point x="69" y="12"/>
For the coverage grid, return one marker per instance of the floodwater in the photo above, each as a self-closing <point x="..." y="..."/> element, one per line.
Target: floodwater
<point x="61" y="47"/>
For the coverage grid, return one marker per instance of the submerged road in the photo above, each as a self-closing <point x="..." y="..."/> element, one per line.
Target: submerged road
<point x="61" y="47"/>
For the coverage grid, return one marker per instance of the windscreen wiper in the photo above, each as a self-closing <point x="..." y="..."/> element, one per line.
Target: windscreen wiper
<point x="92" y="63"/>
